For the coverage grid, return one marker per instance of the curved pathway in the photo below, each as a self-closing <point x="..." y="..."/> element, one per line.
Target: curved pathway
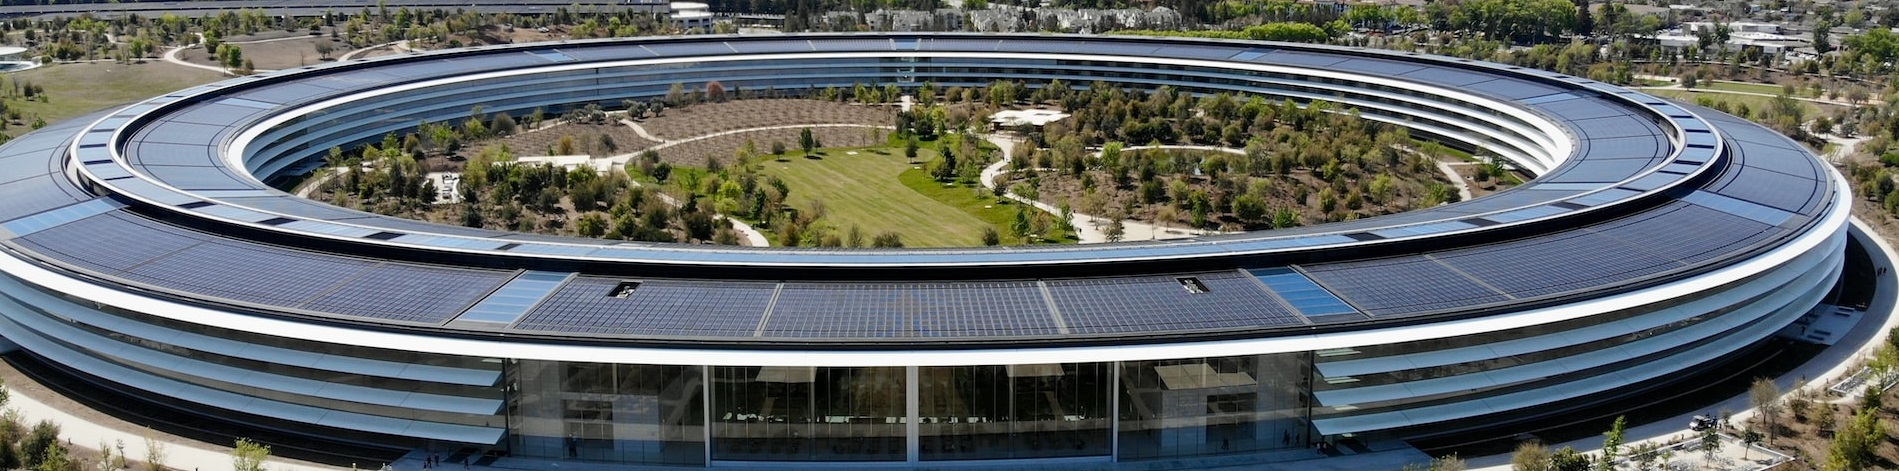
<point x="400" y="46"/>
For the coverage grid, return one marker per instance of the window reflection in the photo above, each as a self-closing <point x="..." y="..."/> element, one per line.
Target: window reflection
<point x="1014" y="411"/>
<point x="804" y="413"/>
<point x="1213" y="405"/>
<point x="607" y="412"/>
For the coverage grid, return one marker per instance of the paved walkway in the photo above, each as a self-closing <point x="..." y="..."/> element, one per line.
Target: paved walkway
<point x="1823" y="370"/>
<point x="1463" y="186"/>
<point x="399" y="46"/>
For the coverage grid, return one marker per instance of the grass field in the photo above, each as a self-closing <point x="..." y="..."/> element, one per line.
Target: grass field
<point x="862" y="187"/>
<point x="1746" y="87"/>
<point x="76" y="89"/>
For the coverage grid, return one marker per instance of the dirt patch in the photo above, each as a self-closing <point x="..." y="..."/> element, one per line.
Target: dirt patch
<point x="725" y="148"/>
<point x="587" y="139"/>
<point x="285" y="52"/>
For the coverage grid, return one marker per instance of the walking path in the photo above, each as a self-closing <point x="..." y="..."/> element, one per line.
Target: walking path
<point x="1463" y="187"/>
<point x="1821" y="371"/>
<point x="399" y="46"/>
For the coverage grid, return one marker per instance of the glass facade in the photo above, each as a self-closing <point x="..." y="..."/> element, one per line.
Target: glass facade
<point x="1207" y="406"/>
<point x="1014" y="411"/>
<point x="607" y="412"/>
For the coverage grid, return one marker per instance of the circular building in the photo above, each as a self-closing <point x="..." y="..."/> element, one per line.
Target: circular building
<point x="146" y="252"/>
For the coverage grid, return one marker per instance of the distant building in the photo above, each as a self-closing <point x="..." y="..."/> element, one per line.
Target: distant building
<point x="1006" y="119"/>
<point x="690" y="15"/>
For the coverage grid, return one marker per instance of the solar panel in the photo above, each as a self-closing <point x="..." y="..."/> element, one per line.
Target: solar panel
<point x="409" y="293"/>
<point x="1428" y="286"/>
<point x="1687" y="232"/>
<point x="1759" y="213"/>
<point x="884" y="310"/>
<point x="653" y="308"/>
<point x="762" y="47"/>
<point x="110" y="242"/>
<point x="1515" y="89"/>
<point x="1774" y="189"/>
<point x="33" y="195"/>
<point x="1167" y="303"/>
<point x="1449" y="76"/>
<point x="1597" y="128"/>
<point x="1555" y="264"/>
<point x="1377" y="66"/>
<point x="1630" y="147"/>
<point x="1582" y="109"/>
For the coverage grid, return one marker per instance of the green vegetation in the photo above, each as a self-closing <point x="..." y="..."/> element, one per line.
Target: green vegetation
<point x="1281" y="31"/>
<point x="1746" y="87"/>
<point x="1302" y="163"/>
<point x="248" y="455"/>
<point x="58" y="92"/>
<point x="1763" y="109"/>
<point x="862" y="188"/>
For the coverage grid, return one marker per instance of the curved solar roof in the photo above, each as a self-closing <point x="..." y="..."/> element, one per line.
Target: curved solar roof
<point x="1635" y="190"/>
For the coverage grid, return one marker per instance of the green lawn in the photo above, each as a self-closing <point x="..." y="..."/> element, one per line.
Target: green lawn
<point x="979" y="203"/>
<point x="1763" y="88"/>
<point x="865" y="190"/>
<point x="76" y="89"/>
<point x="1752" y="101"/>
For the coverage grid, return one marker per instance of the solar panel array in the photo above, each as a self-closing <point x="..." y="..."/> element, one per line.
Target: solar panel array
<point x="876" y="310"/>
<point x="409" y="293"/>
<point x="655" y="308"/>
<point x="1136" y="304"/>
<point x="1426" y="285"/>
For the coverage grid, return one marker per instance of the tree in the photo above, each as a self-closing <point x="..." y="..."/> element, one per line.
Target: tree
<point x="887" y="240"/>
<point x="1568" y="459"/>
<point x="1710" y="441"/>
<point x="249" y="455"/>
<point x="106" y="458"/>
<point x="56" y="459"/>
<point x="1612" y="443"/>
<point x="1690" y="79"/>
<point x="154" y="454"/>
<point x="991" y="237"/>
<point x="1764" y="396"/>
<point x="1530" y="456"/>
<point x="1854" y="445"/>
<point x="1748" y="439"/>
<point x="45" y="434"/>
<point x="807" y="141"/>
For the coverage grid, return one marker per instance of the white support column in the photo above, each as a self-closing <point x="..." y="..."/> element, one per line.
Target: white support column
<point x="912" y="411"/>
<point x="705" y="388"/>
<point x="1114" y="411"/>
